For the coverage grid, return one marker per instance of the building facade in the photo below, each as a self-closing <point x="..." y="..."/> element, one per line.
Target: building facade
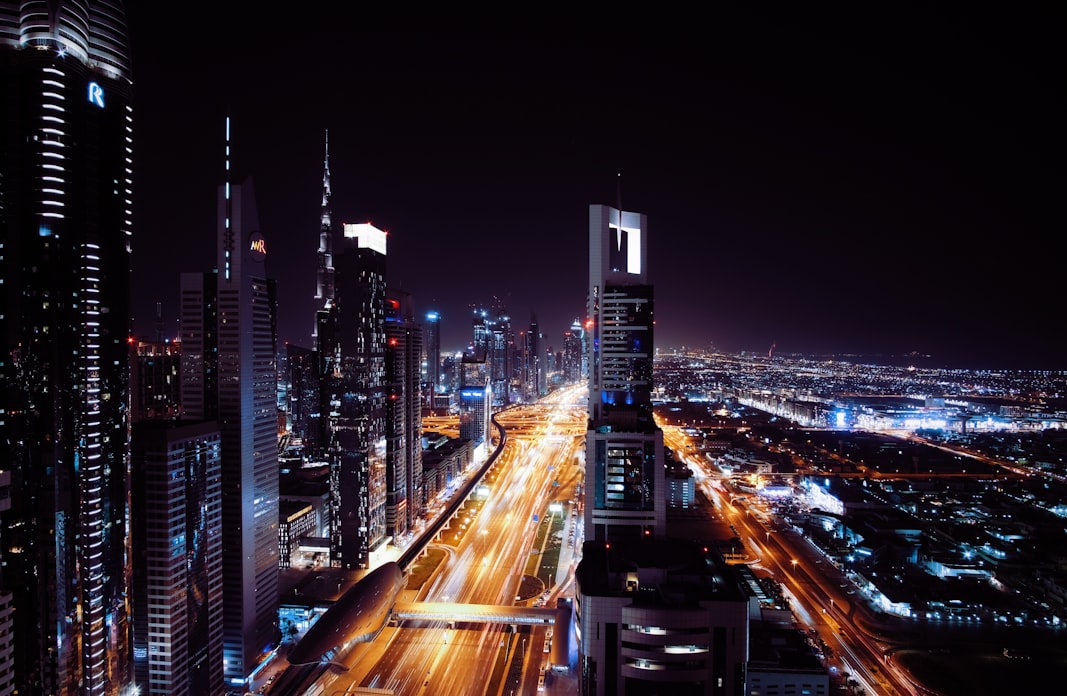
<point x="229" y="374"/>
<point x="303" y="405"/>
<point x="475" y="400"/>
<point x="659" y="615"/>
<point x="535" y="372"/>
<point x="155" y="380"/>
<point x="403" y="422"/>
<point x="573" y="353"/>
<point x="66" y="226"/>
<point x="625" y="490"/>
<point x="352" y="348"/>
<point x="653" y="613"/>
<point x="176" y="512"/>
<point x="432" y="383"/>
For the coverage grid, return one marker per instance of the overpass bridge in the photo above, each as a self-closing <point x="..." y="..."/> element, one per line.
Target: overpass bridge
<point x="482" y="614"/>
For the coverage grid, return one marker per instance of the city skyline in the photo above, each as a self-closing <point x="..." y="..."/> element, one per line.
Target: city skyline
<point x="145" y="555"/>
<point x="844" y="184"/>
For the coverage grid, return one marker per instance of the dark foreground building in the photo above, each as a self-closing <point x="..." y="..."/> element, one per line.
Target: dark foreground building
<point x="65" y="240"/>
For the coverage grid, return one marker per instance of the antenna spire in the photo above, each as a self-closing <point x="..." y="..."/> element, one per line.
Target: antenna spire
<point x="326" y="173"/>
<point x="228" y="250"/>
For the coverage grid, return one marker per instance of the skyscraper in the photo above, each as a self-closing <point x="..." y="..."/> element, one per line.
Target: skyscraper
<point x="624" y="447"/>
<point x="155" y="380"/>
<point x="7" y="629"/>
<point x="228" y="374"/>
<point x="475" y="400"/>
<point x="403" y="421"/>
<point x="534" y="383"/>
<point x="432" y="361"/>
<point x="573" y="352"/>
<point x="65" y="239"/>
<point x="352" y="346"/>
<point x="303" y="405"/>
<point x="639" y="592"/>
<point x="324" y="288"/>
<point x="501" y="355"/>
<point x="176" y="527"/>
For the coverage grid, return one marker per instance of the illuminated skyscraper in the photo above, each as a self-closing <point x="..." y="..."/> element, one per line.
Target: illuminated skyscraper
<point x="432" y="361"/>
<point x="176" y="527"/>
<point x="625" y="495"/>
<point x="501" y="355"/>
<point x="475" y="399"/>
<point x="403" y="419"/>
<point x="535" y="377"/>
<point x="229" y="374"/>
<point x="352" y="345"/>
<point x="573" y="343"/>
<point x="324" y="289"/>
<point x="655" y="614"/>
<point x="65" y="238"/>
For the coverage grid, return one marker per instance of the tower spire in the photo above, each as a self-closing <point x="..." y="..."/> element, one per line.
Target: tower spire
<point x="618" y="194"/>
<point x="229" y="251"/>
<point x="325" y="287"/>
<point x="326" y="177"/>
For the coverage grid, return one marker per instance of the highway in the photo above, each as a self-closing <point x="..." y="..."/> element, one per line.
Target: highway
<point x="487" y="548"/>
<point x="822" y="597"/>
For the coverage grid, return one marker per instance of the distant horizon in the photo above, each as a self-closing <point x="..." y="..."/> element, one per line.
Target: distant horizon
<point x="903" y="360"/>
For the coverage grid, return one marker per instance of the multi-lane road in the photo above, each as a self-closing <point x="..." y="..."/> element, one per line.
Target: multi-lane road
<point x="486" y="552"/>
<point x="822" y="597"/>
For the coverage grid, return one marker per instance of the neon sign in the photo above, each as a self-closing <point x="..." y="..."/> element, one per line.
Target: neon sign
<point x="96" y="94"/>
<point x="257" y="246"/>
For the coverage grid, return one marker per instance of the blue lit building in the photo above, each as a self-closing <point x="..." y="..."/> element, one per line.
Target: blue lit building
<point x="475" y="400"/>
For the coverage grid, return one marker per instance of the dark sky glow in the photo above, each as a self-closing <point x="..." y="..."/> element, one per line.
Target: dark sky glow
<point x="863" y="184"/>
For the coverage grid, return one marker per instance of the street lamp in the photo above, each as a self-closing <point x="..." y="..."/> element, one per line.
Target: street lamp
<point x="794" y="562"/>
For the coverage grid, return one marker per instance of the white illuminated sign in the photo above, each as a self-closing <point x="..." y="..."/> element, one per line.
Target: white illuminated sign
<point x="96" y="94"/>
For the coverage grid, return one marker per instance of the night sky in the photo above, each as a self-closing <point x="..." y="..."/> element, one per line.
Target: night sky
<point x="848" y="183"/>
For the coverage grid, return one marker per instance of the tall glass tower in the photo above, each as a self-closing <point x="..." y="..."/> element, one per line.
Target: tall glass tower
<point x="352" y="341"/>
<point x="176" y="525"/>
<point x="403" y="409"/>
<point x="432" y="361"/>
<point x="229" y="335"/>
<point x="65" y="238"/>
<point x="625" y="495"/>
